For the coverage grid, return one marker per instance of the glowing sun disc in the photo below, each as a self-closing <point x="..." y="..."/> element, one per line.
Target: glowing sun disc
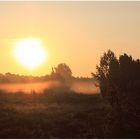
<point x="29" y="52"/>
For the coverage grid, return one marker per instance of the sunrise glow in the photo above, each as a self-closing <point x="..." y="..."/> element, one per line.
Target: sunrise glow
<point x="29" y="52"/>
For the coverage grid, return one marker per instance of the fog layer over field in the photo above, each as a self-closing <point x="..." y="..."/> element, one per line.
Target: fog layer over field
<point x="86" y="87"/>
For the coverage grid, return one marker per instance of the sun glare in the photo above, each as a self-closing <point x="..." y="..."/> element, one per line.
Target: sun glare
<point x="30" y="52"/>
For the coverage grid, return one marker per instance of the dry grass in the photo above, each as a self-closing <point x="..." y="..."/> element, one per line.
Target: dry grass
<point x="54" y="115"/>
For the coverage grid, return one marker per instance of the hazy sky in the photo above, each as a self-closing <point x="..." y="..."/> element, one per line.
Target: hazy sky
<point x="75" y="33"/>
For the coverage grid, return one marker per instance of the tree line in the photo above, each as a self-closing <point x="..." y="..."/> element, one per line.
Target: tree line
<point x="61" y="72"/>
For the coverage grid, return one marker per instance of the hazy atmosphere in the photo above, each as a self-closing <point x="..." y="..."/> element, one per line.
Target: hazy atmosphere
<point x="71" y="32"/>
<point x="69" y="69"/>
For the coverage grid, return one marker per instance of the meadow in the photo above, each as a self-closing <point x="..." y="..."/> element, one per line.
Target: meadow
<point x="55" y="114"/>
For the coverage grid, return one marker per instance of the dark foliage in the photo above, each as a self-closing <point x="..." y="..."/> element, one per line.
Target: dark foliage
<point x="120" y="84"/>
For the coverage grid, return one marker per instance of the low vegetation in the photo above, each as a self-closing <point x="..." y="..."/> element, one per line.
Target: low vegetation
<point x="54" y="115"/>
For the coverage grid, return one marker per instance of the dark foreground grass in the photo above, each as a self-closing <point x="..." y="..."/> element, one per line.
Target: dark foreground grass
<point x="55" y="115"/>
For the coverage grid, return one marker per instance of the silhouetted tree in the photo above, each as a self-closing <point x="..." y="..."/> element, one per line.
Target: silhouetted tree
<point x="63" y="73"/>
<point x="107" y="74"/>
<point x="119" y="81"/>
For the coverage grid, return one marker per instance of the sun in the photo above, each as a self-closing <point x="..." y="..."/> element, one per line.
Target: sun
<point x="30" y="52"/>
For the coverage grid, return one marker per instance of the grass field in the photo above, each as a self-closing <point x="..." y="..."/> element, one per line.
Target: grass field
<point x="55" y="115"/>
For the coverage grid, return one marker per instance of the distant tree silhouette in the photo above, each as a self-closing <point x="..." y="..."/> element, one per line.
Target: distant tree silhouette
<point x="119" y="81"/>
<point x="15" y="78"/>
<point x="63" y="73"/>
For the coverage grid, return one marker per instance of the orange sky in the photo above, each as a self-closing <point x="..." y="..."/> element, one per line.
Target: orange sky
<point x="75" y="33"/>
